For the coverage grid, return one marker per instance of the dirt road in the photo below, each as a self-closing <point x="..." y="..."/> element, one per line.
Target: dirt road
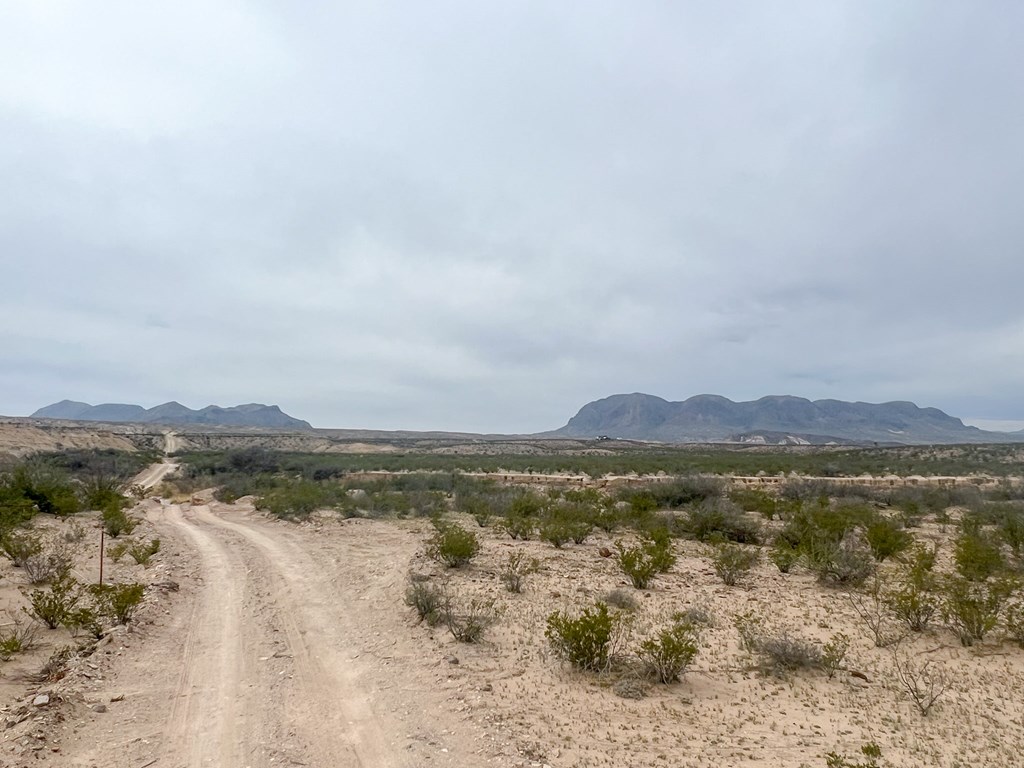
<point x="280" y="651"/>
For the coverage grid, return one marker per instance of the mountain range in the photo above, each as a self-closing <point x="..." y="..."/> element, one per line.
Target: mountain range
<point x="249" y="415"/>
<point x="774" y="419"/>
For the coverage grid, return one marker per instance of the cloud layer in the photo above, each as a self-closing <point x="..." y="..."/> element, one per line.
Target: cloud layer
<point x="480" y="216"/>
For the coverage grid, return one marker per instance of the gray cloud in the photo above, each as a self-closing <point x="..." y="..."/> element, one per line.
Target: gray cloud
<point x="480" y="216"/>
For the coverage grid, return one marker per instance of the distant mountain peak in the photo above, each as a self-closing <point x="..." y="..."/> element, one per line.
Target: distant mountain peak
<point x="174" y="413"/>
<point x="713" y="418"/>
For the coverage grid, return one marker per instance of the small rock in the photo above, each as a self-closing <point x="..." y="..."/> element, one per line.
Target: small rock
<point x="452" y="658"/>
<point x="486" y="687"/>
<point x="119" y="697"/>
<point x="41" y="700"/>
<point x="99" y="708"/>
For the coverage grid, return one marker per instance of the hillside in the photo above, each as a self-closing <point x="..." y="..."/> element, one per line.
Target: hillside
<point x="771" y="419"/>
<point x="248" y="415"/>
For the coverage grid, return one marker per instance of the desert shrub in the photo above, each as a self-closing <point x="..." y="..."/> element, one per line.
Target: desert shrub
<point x="833" y="653"/>
<point x="720" y="518"/>
<point x="555" y="530"/>
<point x="1015" y="623"/>
<point x="518" y="525"/>
<point x="1011" y="530"/>
<point x="887" y="537"/>
<point x="467" y="620"/>
<point x="872" y="609"/>
<point x="871" y="752"/>
<point x="913" y="601"/>
<point x="84" y="619"/>
<point x="54" y="561"/>
<point x="650" y="556"/>
<point x="977" y="554"/>
<point x="53" y="605"/>
<point x="783" y="554"/>
<point x="607" y="518"/>
<point x="116" y="521"/>
<point x="621" y="599"/>
<point x="584" y="640"/>
<point x="16" y="636"/>
<point x="972" y="608"/>
<point x="848" y="562"/>
<point x="118" y="601"/>
<point x="452" y="544"/>
<point x="476" y="506"/>
<point x="516" y="568"/>
<point x="763" y="502"/>
<point x="631" y="687"/>
<point x="924" y="681"/>
<point x="699" y="615"/>
<point x="73" y="532"/>
<point x="141" y="552"/>
<point x="427" y="600"/>
<point x="678" y="493"/>
<point x="733" y="562"/>
<point x="667" y="655"/>
<point x="117" y="550"/>
<point x="19" y="546"/>
<point x="777" y="650"/>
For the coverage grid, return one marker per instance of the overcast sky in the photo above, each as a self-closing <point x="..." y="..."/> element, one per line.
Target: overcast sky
<point x="481" y="215"/>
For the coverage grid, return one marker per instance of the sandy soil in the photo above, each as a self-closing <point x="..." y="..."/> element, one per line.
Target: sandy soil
<point x="290" y="645"/>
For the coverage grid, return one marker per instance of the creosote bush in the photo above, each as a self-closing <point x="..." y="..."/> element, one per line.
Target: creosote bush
<point x="118" y="601"/>
<point x="650" y="556"/>
<point x="583" y="640"/>
<point x="16" y="636"/>
<point x="467" y="620"/>
<point x="971" y="608"/>
<point x="667" y="655"/>
<point x="733" y="562"/>
<point x="142" y="552"/>
<point x="116" y="521"/>
<point x="452" y="544"/>
<point x="52" y="606"/>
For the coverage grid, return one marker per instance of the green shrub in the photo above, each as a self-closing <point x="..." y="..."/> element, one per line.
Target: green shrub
<point x="783" y="554"/>
<point x="583" y="640"/>
<point x="118" y="601"/>
<point x="833" y="653"/>
<point x="516" y="568"/>
<point x="557" y="531"/>
<point x="141" y="553"/>
<point x="19" y="546"/>
<point x="452" y="544"/>
<point x="117" y="550"/>
<point x="914" y="601"/>
<point x="116" y="521"/>
<point x="666" y="656"/>
<point x="720" y="518"/>
<point x="518" y="525"/>
<point x="16" y="637"/>
<point x="733" y="561"/>
<point x="886" y="537"/>
<point x="872" y="753"/>
<point x="848" y="562"/>
<point x="52" y="606"/>
<point x="640" y="563"/>
<point x="1015" y="623"/>
<point x="977" y="555"/>
<point x="972" y="608"/>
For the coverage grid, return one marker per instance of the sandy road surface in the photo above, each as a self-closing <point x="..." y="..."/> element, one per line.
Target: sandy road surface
<point x="276" y="656"/>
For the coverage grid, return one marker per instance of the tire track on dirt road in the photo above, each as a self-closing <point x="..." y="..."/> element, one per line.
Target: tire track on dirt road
<point x="329" y="705"/>
<point x="203" y="727"/>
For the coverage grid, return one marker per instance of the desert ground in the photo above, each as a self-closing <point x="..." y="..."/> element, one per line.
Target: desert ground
<point x="265" y="643"/>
